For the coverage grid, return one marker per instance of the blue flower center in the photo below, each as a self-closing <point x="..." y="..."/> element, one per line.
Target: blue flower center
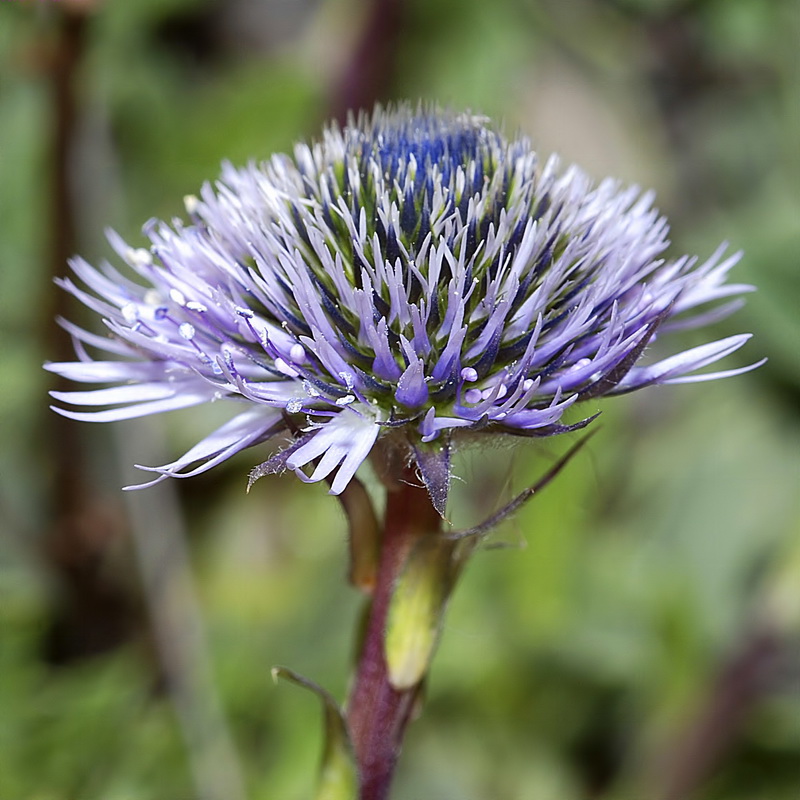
<point x="446" y="143"/>
<point x="429" y="143"/>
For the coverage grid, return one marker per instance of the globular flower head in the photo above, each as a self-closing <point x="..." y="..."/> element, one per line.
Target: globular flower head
<point x="408" y="278"/>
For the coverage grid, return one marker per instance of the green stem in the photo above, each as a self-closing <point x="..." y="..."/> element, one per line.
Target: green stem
<point x="377" y="712"/>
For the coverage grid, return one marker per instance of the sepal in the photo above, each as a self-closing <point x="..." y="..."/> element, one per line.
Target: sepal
<point x="433" y="462"/>
<point x="277" y="462"/>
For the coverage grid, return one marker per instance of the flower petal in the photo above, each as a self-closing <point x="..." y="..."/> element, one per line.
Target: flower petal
<point x="346" y="438"/>
<point x="235" y="435"/>
<point x="671" y="368"/>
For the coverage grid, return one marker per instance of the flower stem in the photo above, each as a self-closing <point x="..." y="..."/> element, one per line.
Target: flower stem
<point x="378" y="713"/>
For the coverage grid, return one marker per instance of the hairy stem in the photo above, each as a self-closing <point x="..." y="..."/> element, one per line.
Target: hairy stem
<point x="377" y="712"/>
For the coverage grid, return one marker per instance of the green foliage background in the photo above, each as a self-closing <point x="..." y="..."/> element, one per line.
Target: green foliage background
<point x="577" y="657"/>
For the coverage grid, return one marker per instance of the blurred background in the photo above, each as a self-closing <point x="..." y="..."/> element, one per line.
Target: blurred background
<point x="632" y="634"/>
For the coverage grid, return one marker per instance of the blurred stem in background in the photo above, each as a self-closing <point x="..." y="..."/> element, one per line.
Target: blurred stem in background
<point x="159" y="539"/>
<point x="762" y="662"/>
<point x="95" y="611"/>
<point x="368" y="72"/>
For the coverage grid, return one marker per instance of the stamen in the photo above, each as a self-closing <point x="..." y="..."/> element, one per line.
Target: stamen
<point x="311" y="390"/>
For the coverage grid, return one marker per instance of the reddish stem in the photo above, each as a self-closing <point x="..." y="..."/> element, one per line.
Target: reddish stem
<point x="377" y="713"/>
<point x="372" y="63"/>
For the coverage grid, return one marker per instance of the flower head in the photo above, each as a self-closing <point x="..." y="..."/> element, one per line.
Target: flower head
<point x="414" y="275"/>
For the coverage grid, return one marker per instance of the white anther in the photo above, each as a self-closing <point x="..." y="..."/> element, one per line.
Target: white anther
<point x="294" y="406"/>
<point x="284" y="368"/>
<point x="193" y="305"/>
<point x="473" y="395"/>
<point x="297" y="353"/>
<point x="191" y="204"/>
<point x="138" y="257"/>
<point x="130" y="312"/>
<point x="580" y="364"/>
<point x="186" y="330"/>
<point x="346" y="400"/>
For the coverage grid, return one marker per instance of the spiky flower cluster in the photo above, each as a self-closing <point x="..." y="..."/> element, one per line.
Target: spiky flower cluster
<point x="413" y="275"/>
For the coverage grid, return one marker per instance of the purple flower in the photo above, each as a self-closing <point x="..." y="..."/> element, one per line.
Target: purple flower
<point x="405" y="279"/>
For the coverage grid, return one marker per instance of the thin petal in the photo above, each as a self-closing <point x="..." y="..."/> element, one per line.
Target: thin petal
<point x="129" y="393"/>
<point x="412" y="391"/>
<point x="712" y="376"/>
<point x="347" y="438"/>
<point x="234" y="436"/>
<point x="359" y="450"/>
<point x="138" y="410"/>
<point x="679" y="364"/>
<point x="105" y="371"/>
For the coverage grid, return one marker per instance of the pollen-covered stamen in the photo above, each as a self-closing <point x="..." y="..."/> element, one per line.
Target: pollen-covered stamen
<point x="287" y="356"/>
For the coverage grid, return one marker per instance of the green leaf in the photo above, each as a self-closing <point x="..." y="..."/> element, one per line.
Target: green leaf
<point x="364" y="535"/>
<point x="338" y="774"/>
<point x="416" y="610"/>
